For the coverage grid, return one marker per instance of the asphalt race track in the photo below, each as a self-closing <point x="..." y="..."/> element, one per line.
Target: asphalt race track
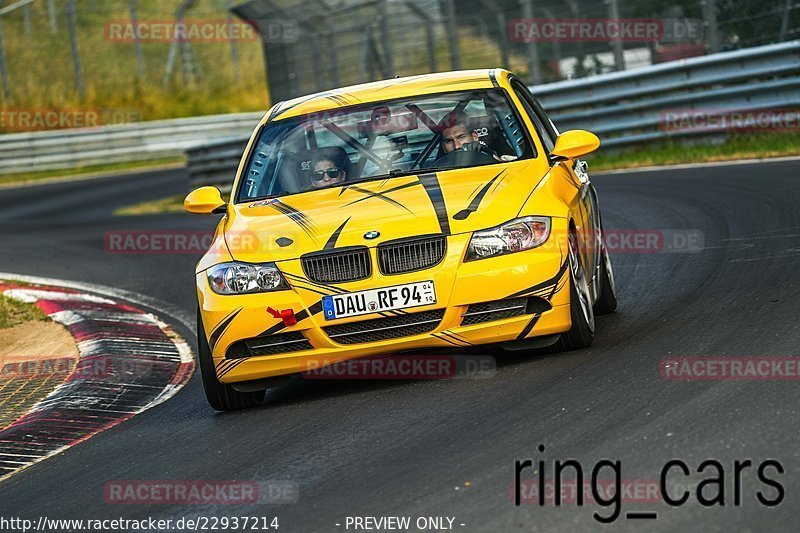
<point x="447" y="448"/>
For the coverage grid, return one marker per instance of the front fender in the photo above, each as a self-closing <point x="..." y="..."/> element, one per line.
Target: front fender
<point x="556" y="195"/>
<point x="218" y="252"/>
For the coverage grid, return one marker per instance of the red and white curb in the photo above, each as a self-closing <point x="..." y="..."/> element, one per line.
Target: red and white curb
<point x="129" y="361"/>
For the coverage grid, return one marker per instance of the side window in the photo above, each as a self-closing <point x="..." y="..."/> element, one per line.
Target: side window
<point x="544" y="127"/>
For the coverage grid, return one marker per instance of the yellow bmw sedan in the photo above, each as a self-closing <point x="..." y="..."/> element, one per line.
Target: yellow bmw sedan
<point x="443" y="210"/>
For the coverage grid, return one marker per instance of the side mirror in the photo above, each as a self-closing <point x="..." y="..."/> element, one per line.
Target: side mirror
<point x="574" y="144"/>
<point x="204" y="201"/>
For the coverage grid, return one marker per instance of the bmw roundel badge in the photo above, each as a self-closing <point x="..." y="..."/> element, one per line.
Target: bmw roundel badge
<point x="372" y="234"/>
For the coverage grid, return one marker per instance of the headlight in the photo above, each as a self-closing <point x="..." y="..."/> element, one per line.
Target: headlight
<point x="244" y="278"/>
<point x="513" y="236"/>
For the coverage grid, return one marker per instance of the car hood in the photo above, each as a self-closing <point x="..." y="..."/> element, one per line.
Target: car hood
<point x="449" y="202"/>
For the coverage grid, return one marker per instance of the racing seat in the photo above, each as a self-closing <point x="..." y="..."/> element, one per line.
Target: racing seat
<point x="297" y="168"/>
<point x="490" y="133"/>
<point x="295" y="172"/>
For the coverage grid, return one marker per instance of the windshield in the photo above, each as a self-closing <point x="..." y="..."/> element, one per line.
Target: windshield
<point x="383" y="140"/>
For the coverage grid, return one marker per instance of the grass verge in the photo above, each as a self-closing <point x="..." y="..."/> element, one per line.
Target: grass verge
<point x="14" y="312"/>
<point x="170" y="204"/>
<point x="738" y="146"/>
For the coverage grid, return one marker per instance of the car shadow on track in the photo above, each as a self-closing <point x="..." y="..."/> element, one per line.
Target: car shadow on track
<point x="310" y="389"/>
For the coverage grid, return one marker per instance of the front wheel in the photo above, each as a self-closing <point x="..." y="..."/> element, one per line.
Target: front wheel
<point x="220" y="396"/>
<point x="607" y="300"/>
<point x="581" y="333"/>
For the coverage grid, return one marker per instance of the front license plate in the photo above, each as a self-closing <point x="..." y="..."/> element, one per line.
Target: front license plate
<point x="377" y="300"/>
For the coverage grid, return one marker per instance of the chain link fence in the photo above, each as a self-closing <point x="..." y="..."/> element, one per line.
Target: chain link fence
<point x="155" y="59"/>
<point x="314" y="45"/>
<point x="191" y="57"/>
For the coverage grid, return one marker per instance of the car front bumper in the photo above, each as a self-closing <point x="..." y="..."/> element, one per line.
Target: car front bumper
<point x="537" y="277"/>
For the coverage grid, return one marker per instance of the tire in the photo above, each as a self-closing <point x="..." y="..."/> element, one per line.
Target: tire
<point x="581" y="333"/>
<point x="607" y="300"/>
<point x="220" y="396"/>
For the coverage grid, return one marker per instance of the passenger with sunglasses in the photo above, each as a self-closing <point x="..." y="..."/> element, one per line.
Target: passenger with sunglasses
<point x="330" y="167"/>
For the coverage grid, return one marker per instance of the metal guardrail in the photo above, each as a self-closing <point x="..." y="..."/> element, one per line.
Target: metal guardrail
<point x="140" y="141"/>
<point x="623" y="108"/>
<point x="215" y="163"/>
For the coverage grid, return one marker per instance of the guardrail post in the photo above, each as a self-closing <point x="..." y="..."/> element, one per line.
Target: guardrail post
<point x="137" y="43"/>
<point x="26" y="20"/>
<point x="785" y="20"/>
<point x="709" y="8"/>
<point x="3" y="71"/>
<point x="333" y="54"/>
<point x="76" y="54"/>
<point x="386" y="37"/>
<point x="51" y="12"/>
<point x="616" y="43"/>
<point x="430" y="36"/>
<point x="234" y="45"/>
<point x="452" y="35"/>
<point x="319" y="73"/>
<point x="502" y="25"/>
<point x="191" y="69"/>
<point x="190" y="73"/>
<point x="365" y="54"/>
<point x="556" y="46"/>
<point x="534" y="67"/>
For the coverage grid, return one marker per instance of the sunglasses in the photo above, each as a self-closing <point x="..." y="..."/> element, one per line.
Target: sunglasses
<point x="332" y="173"/>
